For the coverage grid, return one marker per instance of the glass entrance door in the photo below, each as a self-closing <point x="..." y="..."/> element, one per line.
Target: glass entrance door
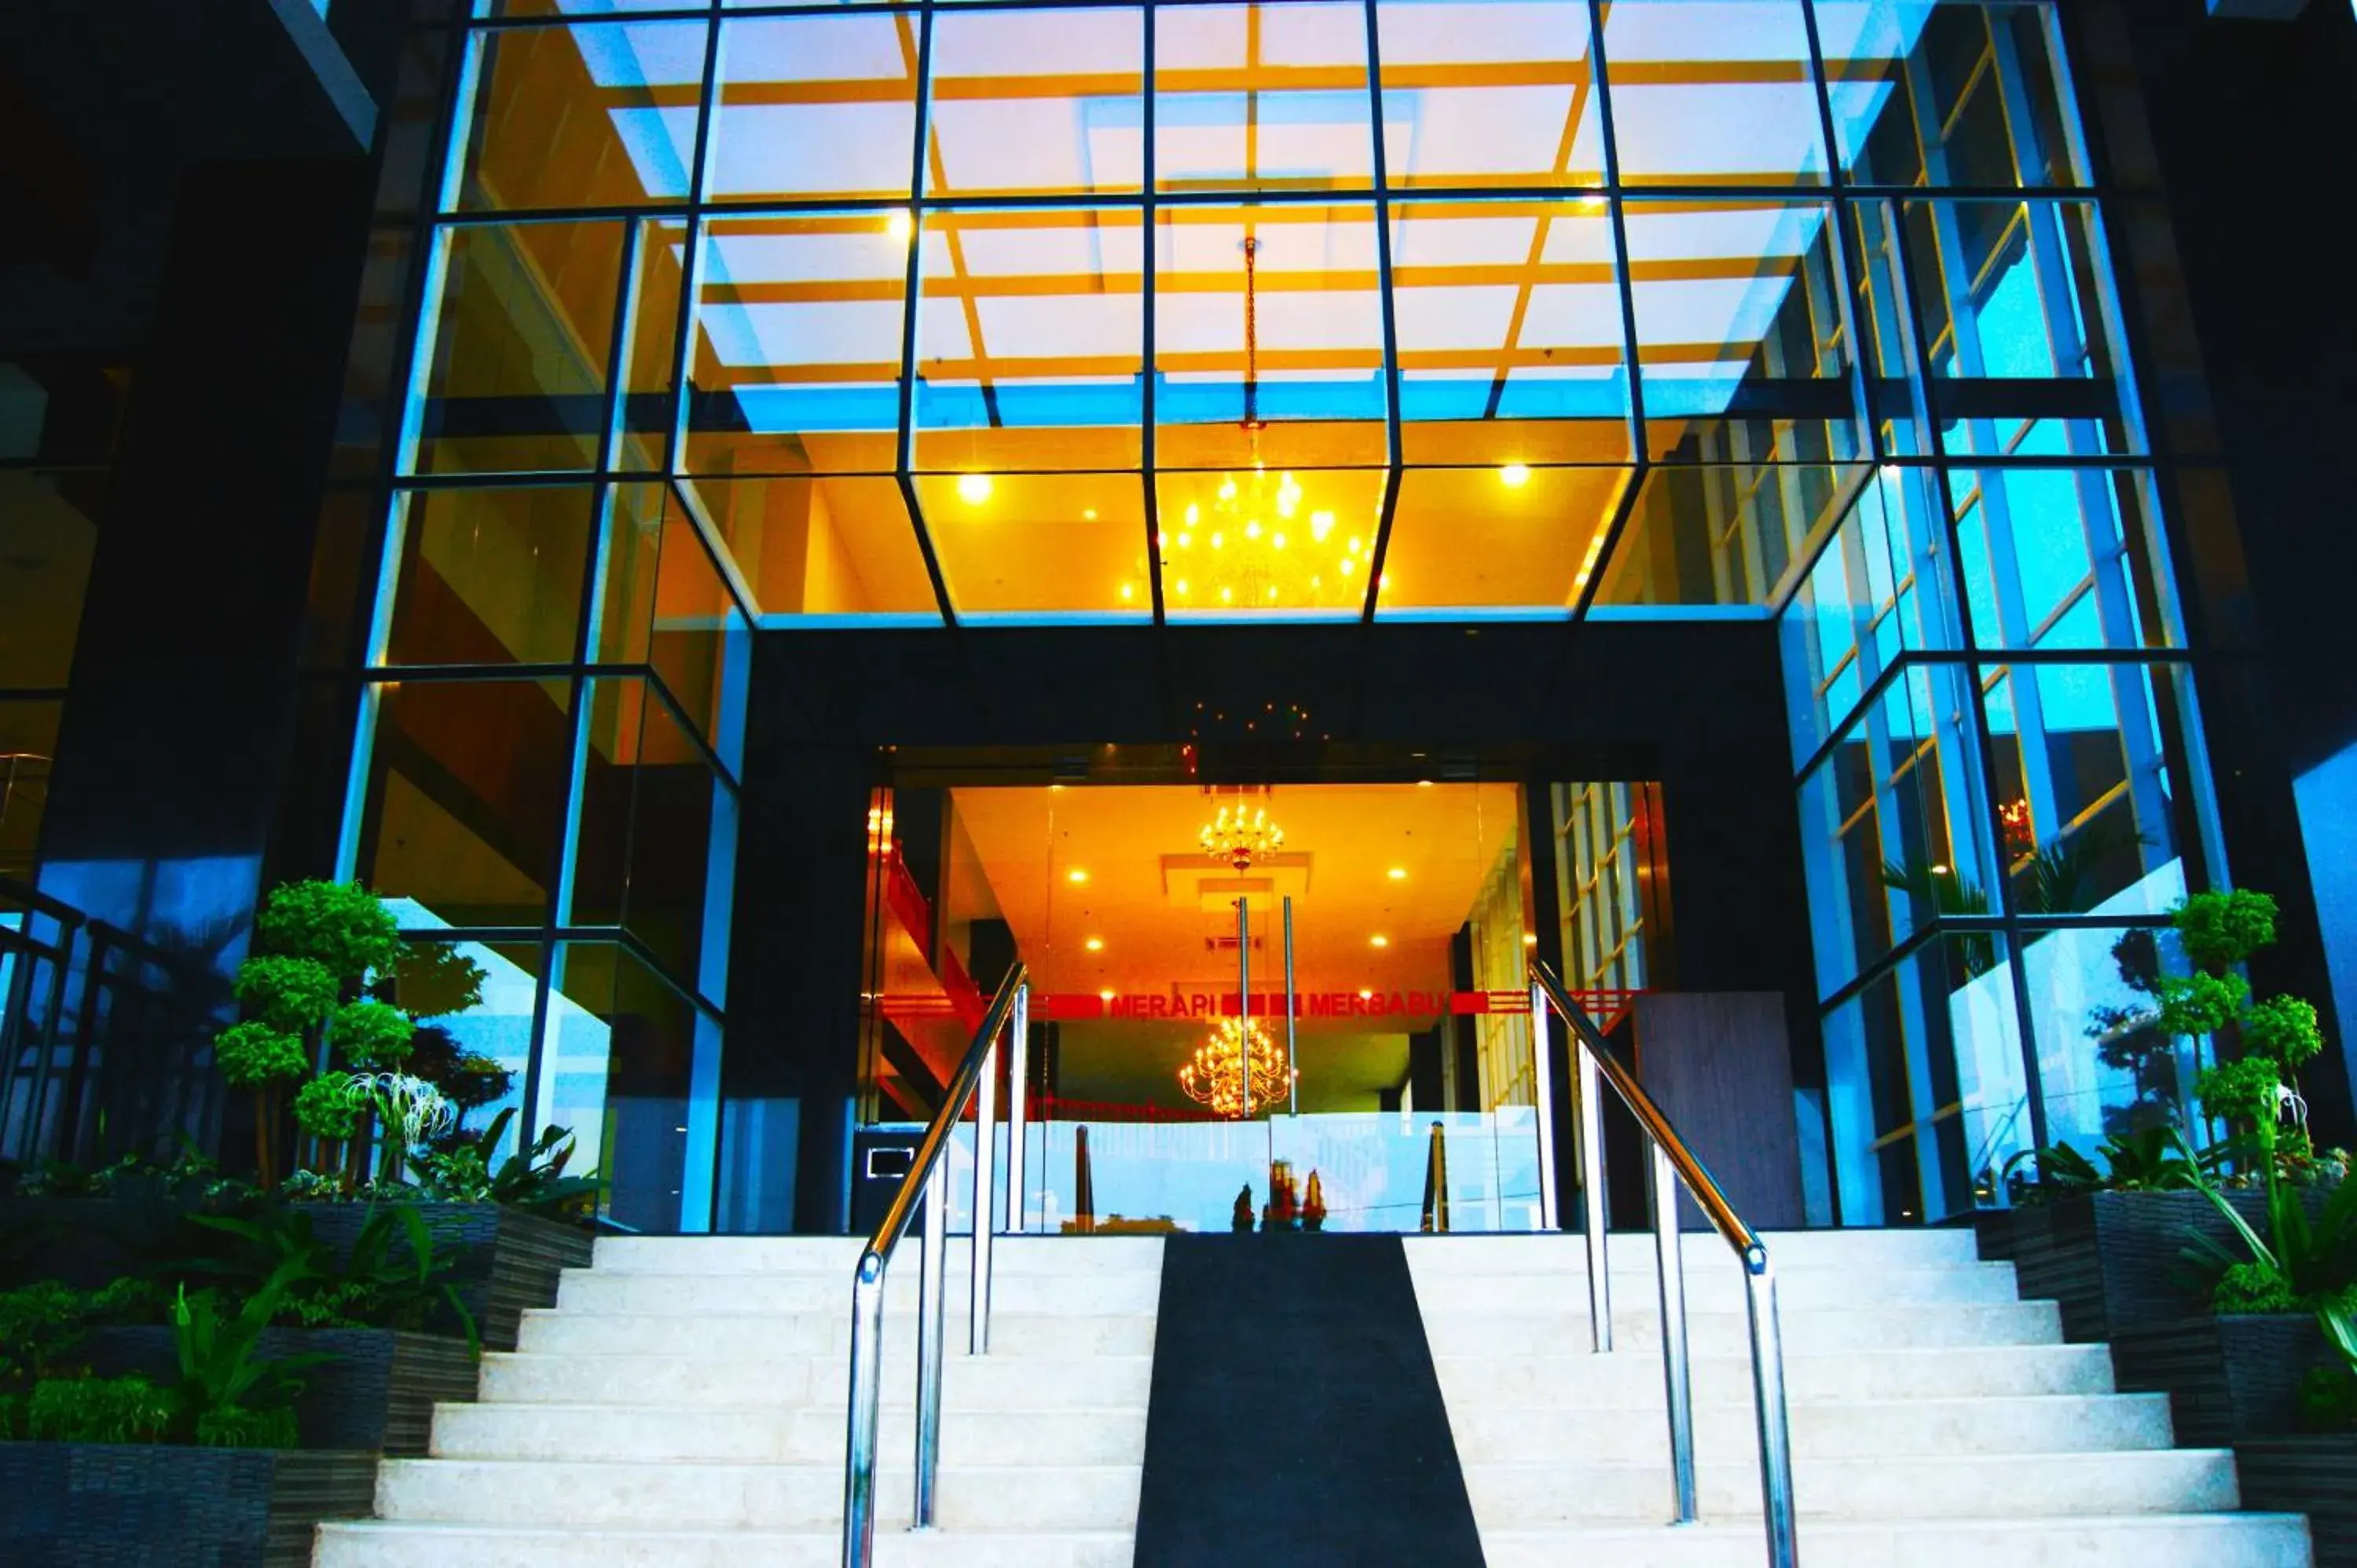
<point x="1322" y="1028"/>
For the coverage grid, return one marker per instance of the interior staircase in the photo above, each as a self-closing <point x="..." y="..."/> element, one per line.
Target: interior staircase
<point x="1937" y="1418"/>
<point x="683" y="1406"/>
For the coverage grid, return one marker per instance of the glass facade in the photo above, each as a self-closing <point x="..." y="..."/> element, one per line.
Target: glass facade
<point x="738" y="315"/>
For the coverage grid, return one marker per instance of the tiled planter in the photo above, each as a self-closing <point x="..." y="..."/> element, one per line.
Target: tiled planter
<point x="2112" y="1258"/>
<point x="2314" y="1475"/>
<point x="76" y="1504"/>
<point x="379" y="1393"/>
<point x="512" y="1261"/>
<point x="2230" y="1379"/>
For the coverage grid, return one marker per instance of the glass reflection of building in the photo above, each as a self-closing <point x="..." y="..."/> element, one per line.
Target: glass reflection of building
<point x="734" y="318"/>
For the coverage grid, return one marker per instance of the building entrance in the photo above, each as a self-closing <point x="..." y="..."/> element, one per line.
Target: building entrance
<point x="1298" y="1007"/>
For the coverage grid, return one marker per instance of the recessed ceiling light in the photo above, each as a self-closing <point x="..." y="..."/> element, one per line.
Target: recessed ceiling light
<point x="973" y="489"/>
<point x="1076" y="874"/>
<point x="1530" y="938"/>
<point x="1105" y="996"/>
<point x="1094" y="944"/>
<point x="900" y="225"/>
<point x="1423" y="783"/>
<point x="1514" y="476"/>
<point x="1398" y="873"/>
<point x="1379" y="941"/>
<point x="1365" y="995"/>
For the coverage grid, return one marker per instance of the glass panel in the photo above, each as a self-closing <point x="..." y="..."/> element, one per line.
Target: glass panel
<point x="1474" y="539"/>
<point x="1722" y="535"/>
<point x="598" y="114"/>
<point x="796" y="357"/>
<point x="631" y="1066"/>
<point x="1974" y="85"/>
<point x="1031" y="340"/>
<point x="1038" y="101"/>
<point x="479" y="1056"/>
<point x="2102" y="1067"/>
<point x="1512" y="347"/>
<point x="1268" y="541"/>
<point x="1712" y="93"/>
<point x="466" y="798"/>
<point x="2047" y="562"/>
<point x="1307" y="336"/>
<point x="51" y="524"/>
<point x="1262" y="97"/>
<point x="1740" y="331"/>
<point x="821" y="545"/>
<point x="816" y="106"/>
<point x="1040" y="544"/>
<point x="650" y="360"/>
<point x="1488" y="93"/>
<point x="61" y="410"/>
<point x="521" y="347"/>
<point x="700" y="641"/>
<point x="491" y="576"/>
<point x="2016" y="301"/>
<point x="653" y="817"/>
<point x="29" y="741"/>
<point x="2089" y="763"/>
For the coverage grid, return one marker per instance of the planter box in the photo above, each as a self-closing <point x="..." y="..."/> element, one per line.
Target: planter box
<point x="2111" y="1259"/>
<point x="88" y="1242"/>
<point x="378" y="1395"/>
<point x="75" y="1504"/>
<point x="512" y="1261"/>
<point x="2314" y="1475"/>
<point x="2229" y="1380"/>
<point x="1994" y="1233"/>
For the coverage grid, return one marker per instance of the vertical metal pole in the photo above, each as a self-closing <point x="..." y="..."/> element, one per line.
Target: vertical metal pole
<point x="867" y="1416"/>
<point x="1018" y="1077"/>
<point x="1543" y="1091"/>
<point x="1243" y="1003"/>
<point x="985" y="1166"/>
<point x="1676" y="1372"/>
<point x="1292" y="1072"/>
<point x="1775" y="1432"/>
<point x="933" y="1329"/>
<point x="1591" y="1195"/>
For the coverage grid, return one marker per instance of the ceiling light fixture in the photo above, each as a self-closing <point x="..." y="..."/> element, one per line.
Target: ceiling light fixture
<point x="1237" y="1071"/>
<point x="1094" y="944"/>
<point x="1379" y="941"/>
<point x="973" y="489"/>
<point x="1240" y="836"/>
<point x="1398" y="873"/>
<point x="1514" y="476"/>
<point x="1076" y="874"/>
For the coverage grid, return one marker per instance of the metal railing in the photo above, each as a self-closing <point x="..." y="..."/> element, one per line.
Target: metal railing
<point x="1674" y="1163"/>
<point x="977" y="1079"/>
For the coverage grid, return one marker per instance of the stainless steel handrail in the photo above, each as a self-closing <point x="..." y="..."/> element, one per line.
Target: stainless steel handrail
<point x="977" y="1079"/>
<point x="1673" y="1163"/>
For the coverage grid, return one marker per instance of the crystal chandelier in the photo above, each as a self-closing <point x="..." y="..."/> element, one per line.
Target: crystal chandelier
<point x="1240" y="838"/>
<point x="1236" y="1070"/>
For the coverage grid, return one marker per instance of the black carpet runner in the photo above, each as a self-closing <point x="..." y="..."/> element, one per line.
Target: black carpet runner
<point x="1295" y="1417"/>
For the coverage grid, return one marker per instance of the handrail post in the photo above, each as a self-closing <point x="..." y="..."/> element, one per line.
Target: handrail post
<point x="932" y="1329"/>
<point x="1676" y="1370"/>
<point x="1591" y="1196"/>
<point x="1775" y="1431"/>
<point x="1018" y="1074"/>
<point x="867" y="1413"/>
<point x="1543" y="1091"/>
<point x="985" y="1166"/>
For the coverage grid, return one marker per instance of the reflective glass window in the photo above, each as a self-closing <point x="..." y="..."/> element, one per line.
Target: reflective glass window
<point x="1040" y="544"/>
<point x="465" y="804"/>
<point x="2103" y="1065"/>
<point x="795" y="364"/>
<point x="700" y="642"/>
<point x="1268" y="541"/>
<point x="520" y="349"/>
<point x="1725" y="534"/>
<point x="590" y="114"/>
<point x="481" y="1055"/>
<point x="1712" y="93"/>
<point x="2057" y="558"/>
<point x="651" y="353"/>
<point x="1262" y="97"/>
<point x="491" y="576"/>
<point x="1969" y="88"/>
<point x="1488" y="93"/>
<point x="49" y="521"/>
<point x="816" y="106"/>
<point x="1477" y="541"/>
<point x="820" y="545"/>
<point x="1512" y="345"/>
<point x="1036" y="101"/>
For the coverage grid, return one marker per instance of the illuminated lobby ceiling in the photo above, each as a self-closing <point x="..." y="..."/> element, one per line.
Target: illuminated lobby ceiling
<point x="980" y="298"/>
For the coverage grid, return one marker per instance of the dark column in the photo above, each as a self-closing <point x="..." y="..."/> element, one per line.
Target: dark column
<point x="179" y="723"/>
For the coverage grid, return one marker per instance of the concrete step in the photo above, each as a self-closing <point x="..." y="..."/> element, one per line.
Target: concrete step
<point x="1858" y="1430"/>
<point x="2159" y="1541"/>
<point x="1459" y="1331"/>
<point x="378" y="1544"/>
<point x="834" y="1257"/>
<point x="1719" y="1288"/>
<point x="815" y="1436"/>
<point x="1860" y="1251"/>
<point x="698" y="1295"/>
<point x="655" y="1496"/>
<point x="757" y="1335"/>
<point x="1002" y="1382"/>
<point x="1527" y="1495"/>
<point x="1632" y="1375"/>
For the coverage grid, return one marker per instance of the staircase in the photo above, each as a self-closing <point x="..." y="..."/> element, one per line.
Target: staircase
<point x="1937" y="1418"/>
<point x="684" y="1407"/>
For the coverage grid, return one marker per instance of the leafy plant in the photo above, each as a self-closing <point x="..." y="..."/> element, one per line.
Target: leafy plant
<point x="88" y="1409"/>
<point x="531" y="1180"/>
<point x="228" y="1396"/>
<point x="376" y="1285"/>
<point x="42" y="1323"/>
<point x="2150" y="1159"/>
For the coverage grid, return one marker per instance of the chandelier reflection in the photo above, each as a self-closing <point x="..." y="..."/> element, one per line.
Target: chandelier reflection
<point x="1237" y="1070"/>
<point x="1240" y="837"/>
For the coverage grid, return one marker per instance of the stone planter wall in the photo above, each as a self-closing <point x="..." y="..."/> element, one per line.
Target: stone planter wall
<point x="2229" y="1380"/>
<point x="2314" y="1475"/>
<point x="2112" y="1258"/>
<point x="513" y="1260"/>
<point x="378" y="1394"/>
<point x="74" y="1505"/>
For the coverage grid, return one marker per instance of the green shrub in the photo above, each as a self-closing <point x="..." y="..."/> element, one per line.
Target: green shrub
<point x="97" y="1410"/>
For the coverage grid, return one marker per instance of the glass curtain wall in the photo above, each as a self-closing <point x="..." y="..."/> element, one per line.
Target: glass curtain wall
<point x="2001" y="779"/>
